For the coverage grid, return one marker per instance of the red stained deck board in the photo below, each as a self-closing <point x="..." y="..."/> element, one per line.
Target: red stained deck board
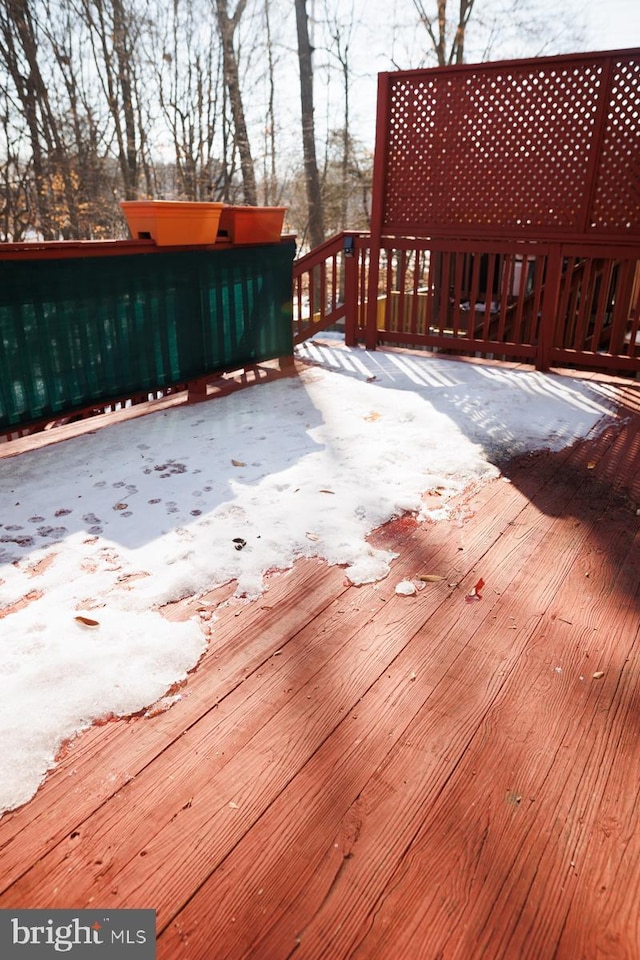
<point x="476" y="545"/>
<point x="459" y="680"/>
<point x="233" y="776"/>
<point x="100" y="762"/>
<point x="518" y="808"/>
<point x="369" y="813"/>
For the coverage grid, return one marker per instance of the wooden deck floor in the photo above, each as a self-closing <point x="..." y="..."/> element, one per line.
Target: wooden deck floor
<point x="356" y="774"/>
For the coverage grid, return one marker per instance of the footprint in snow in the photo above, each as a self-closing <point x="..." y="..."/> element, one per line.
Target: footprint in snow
<point x="52" y="531"/>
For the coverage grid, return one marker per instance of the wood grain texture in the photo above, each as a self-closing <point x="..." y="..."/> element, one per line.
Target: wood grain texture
<point x="355" y="774"/>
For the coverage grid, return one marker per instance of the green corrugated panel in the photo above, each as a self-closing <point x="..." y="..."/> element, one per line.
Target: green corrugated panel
<point x="88" y="330"/>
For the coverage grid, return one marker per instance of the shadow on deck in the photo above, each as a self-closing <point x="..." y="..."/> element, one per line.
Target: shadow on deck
<point x="353" y="773"/>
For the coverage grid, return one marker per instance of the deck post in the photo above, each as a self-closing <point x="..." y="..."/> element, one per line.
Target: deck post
<point x="351" y="261"/>
<point x="377" y="209"/>
<point x="550" y="301"/>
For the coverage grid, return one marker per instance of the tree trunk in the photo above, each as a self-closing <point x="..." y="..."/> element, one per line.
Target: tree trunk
<point x="438" y="31"/>
<point x="50" y="156"/>
<point x="124" y="67"/>
<point x="457" y="48"/>
<point x="312" y="177"/>
<point x="227" y="26"/>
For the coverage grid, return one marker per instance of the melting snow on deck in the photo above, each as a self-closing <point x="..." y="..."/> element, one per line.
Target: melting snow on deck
<point x="98" y="532"/>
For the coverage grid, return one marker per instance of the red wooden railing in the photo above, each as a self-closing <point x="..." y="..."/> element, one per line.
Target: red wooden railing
<point x="505" y="215"/>
<point x="545" y="302"/>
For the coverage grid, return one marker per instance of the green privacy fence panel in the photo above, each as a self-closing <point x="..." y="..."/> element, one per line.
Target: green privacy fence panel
<point x="84" y="330"/>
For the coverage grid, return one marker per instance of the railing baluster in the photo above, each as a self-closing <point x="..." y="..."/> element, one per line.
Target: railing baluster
<point x="573" y="294"/>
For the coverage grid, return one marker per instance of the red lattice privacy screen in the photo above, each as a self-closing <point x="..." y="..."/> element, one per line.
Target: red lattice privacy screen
<point x="521" y="148"/>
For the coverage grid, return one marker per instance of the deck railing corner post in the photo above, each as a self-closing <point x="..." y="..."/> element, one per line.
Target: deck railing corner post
<point x="550" y="306"/>
<point x="351" y="260"/>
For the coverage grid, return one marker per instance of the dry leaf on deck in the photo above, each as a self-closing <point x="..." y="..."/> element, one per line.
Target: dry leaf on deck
<point x="592" y="465"/>
<point x="87" y="621"/>
<point x="474" y="593"/>
<point x="598" y="675"/>
<point x="430" y="577"/>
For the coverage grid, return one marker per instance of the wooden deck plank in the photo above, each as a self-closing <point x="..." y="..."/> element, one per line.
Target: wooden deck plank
<point x="296" y="655"/>
<point x="454" y="836"/>
<point x="101" y="761"/>
<point x="474" y="548"/>
<point x="234" y="904"/>
<point x="603" y="909"/>
<point x="349" y="773"/>
<point x="253" y="622"/>
<point x="516" y="787"/>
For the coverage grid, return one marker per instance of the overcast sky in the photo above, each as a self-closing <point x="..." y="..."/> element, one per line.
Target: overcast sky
<point x="614" y="24"/>
<point x="605" y="25"/>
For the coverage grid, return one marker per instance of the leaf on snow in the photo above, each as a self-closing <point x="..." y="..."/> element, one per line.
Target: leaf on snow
<point x="87" y="621"/>
<point x="313" y="536"/>
<point x="238" y="463"/>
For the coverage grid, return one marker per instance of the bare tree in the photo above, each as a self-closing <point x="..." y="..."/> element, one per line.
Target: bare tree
<point x="312" y="176"/>
<point x="115" y="34"/>
<point x="83" y="124"/>
<point x="270" y="176"/>
<point x="500" y="27"/>
<point x="346" y="193"/>
<point x="52" y="172"/>
<point x="16" y="202"/>
<point x="448" y="43"/>
<point x="227" y="25"/>
<point x="189" y="82"/>
<point x="340" y="31"/>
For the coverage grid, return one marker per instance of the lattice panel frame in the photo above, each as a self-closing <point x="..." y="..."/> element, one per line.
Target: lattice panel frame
<point x="616" y="205"/>
<point x="524" y="148"/>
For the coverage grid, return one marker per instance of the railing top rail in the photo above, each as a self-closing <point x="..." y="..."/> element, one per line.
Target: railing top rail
<point x="70" y="249"/>
<point x="329" y="248"/>
<point x="499" y="66"/>
<point x="444" y="240"/>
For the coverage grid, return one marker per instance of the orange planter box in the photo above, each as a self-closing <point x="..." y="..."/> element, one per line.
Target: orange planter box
<point x="172" y="222"/>
<point x="251" y="224"/>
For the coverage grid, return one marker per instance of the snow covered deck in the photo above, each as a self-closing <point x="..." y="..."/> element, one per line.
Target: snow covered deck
<point x="352" y="771"/>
